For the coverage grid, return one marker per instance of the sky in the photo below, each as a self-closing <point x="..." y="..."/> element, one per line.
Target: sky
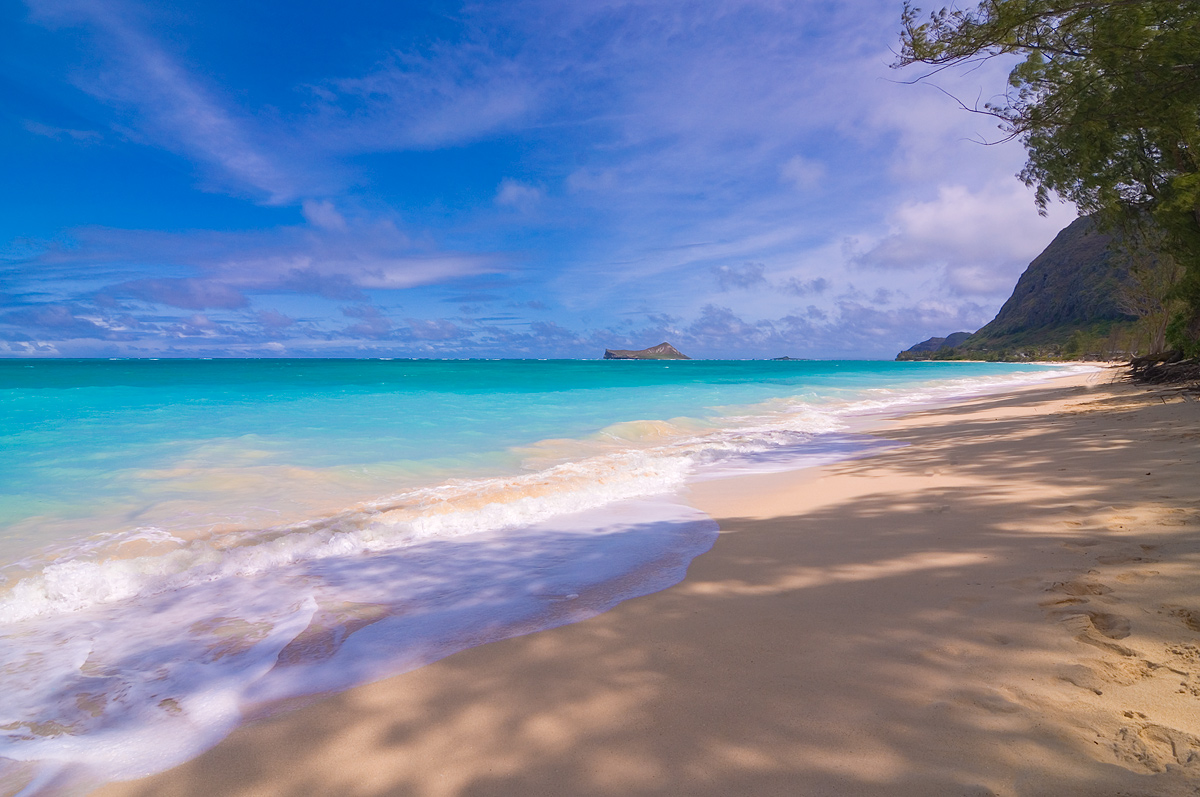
<point x="522" y="178"/>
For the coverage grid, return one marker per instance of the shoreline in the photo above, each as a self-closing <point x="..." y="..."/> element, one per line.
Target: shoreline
<point x="175" y="647"/>
<point x="843" y="636"/>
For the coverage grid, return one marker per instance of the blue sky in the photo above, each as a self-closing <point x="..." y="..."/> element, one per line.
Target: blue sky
<point x="518" y="178"/>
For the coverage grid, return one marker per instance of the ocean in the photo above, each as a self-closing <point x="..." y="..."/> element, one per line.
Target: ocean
<point x="184" y="541"/>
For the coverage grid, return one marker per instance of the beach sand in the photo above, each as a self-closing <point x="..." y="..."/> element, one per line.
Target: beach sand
<point x="1008" y="604"/>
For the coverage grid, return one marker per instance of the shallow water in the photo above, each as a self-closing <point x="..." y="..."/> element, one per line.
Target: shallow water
<point x="183" y="540"/>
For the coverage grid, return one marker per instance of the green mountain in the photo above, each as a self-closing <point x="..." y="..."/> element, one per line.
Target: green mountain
<point x="1064" y="303"/>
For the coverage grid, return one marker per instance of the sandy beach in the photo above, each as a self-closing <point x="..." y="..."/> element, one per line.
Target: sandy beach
<point x="1006" y="604"/>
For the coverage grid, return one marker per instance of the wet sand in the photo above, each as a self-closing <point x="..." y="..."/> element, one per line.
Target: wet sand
<point x="1009" y="604"/>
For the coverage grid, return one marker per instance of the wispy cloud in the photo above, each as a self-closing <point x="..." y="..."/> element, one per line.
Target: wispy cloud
<point x="797" y="287"/>
<point x="192" y="294"/>
<point x="452" y="93"/>
<point x="49" y="131"/>
<point x="744" y="277"/>
<point x="170" y="107"/>
<point x="335" y="263"/>
<point x="744" y="176"/>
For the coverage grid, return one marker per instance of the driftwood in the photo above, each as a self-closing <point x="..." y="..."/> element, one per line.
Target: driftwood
<point x="1169" y="368"/>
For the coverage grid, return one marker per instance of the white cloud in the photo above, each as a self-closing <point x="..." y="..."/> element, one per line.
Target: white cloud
<point x="515" y="194"/>
<point x="982" y="238"/>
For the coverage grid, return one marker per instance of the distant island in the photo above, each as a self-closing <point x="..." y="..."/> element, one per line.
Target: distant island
<point x="663" y="351"/>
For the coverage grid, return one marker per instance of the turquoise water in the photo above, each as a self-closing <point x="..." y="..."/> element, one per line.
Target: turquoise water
<point x="183" y="539"/>
<point x="121" y="442"/>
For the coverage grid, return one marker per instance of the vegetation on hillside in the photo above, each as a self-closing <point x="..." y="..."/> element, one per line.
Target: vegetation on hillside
<point x="1107" y="104"/>
<point x="1089" y="295"/>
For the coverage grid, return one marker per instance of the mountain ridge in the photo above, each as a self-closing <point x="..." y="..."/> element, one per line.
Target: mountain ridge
<point x="1065" y="300"/>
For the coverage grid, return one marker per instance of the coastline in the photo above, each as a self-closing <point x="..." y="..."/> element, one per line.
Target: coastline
<point x="1000" y="606"/>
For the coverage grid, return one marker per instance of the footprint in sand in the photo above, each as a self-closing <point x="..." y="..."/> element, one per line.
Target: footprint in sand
<point x="1190" y="618"/>
<point x="1090" y="637"/>
<point x="1078" y="593"/>
<point x="1110" y="625"/>
<point x="1084" y="621"/>
<point x="1079" y="588"/>
<point x="1097" y="675"/>
<point x="1150" y="746"/>
<point x="1128" y="672"/>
